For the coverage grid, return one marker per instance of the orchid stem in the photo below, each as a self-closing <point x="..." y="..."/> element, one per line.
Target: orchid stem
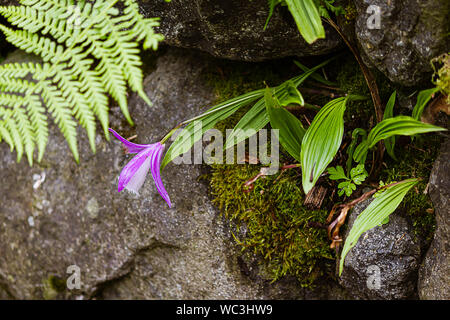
<point x="171" y="132"/>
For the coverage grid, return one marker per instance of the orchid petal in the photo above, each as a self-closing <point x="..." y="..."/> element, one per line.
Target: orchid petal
<point x="138" y="179"/>
<point x="132" y="168"/>
<point x="134" y="173"/>
<point x="130" y="146"/>
<point x="155" y="168"/>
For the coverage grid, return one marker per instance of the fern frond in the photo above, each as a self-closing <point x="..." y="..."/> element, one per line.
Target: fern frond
<point x="26" y="131"/>
<point x="82" y="63"/>
<point x="143" y="27"/>
<point x="71" y="89"/>
<point x="128" y="56"/>
<point x="13" y="136"/>
<point x="36" y="112"/>
<point x="16" y="85"/>
<point x="60" y="110"/>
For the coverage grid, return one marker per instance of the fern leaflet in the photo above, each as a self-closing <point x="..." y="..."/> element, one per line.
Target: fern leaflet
<point x="89" y="51"/>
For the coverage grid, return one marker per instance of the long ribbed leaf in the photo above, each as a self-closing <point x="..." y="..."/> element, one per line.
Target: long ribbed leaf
<point x="307" y="18"/>
<point x="256" y="118"/>
<point x="400" y="125"/>
<point x="291" y="131"/>
<point x="389" y="113"/>
<point x="191" y="133"/>
<point x="322" y="141"/>
<point x="378" y="210"/>
<point x="422" y="99"/>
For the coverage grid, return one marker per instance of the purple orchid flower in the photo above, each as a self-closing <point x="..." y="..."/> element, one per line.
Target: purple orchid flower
<point x="148" y="157"/>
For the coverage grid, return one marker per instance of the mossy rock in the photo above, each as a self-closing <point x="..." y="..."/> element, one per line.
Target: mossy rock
<point x="273" y="221"/>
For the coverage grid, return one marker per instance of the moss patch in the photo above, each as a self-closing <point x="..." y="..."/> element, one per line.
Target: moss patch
<point x="275" y="220"/>
<point x="441" y="76"/>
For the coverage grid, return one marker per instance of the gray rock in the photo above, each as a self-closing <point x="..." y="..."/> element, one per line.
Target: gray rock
<point x="384" y="262"/>
<point x="233" y="29"/>
<point x="434" y="275"/>
<point x="58" y="214"/>
<point x="411" y="33"/>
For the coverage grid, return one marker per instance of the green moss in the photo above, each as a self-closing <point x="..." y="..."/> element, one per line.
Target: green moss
<point x="275" y="220"/>
<point x="272" y="213"/>
<point x="231" y="78"/>
<point x="441" y="76"/>
<point x="351" y="80"/>
<point x="52" y="286"/>
<point x="415" y="160"/>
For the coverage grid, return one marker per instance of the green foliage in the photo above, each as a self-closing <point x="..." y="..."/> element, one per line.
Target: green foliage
<point x="274" y="220"/>
<point x="415" y="160"/>
<point x="254" y="120"/>
<point x="441" y="76"/>
<point x="88" y="52"/>
<point x="423" y="98"/>
<point x="194" y="130"/>
<point x="272" y="5"/>
<point x="389" y="113"/>
<point x="307" y="15"/>
<point x="307" y="18"/>
<point x="375" y="214"/>
<point x="322" y="141"/>
<point x="291" y="130"/>
<point x="357" y="175"/>
<point x="400" y="125"/>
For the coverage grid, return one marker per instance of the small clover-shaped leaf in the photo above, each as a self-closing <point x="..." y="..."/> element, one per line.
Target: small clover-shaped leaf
<point x="358" y="174"/>
<point x="337" y="173"/>
<point x="347" y="187"/>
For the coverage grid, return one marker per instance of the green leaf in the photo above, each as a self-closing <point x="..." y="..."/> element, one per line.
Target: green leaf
<point x="322" y="141"/>
<point x="337" y="173"/>
<point x="375" y="214"/>
<point x="400" y="125"/>
<point x="272" y="5"/>
<point x="422" y="99"/>
<point x="293" y="96"/>
<point x="389" y="113"/>
<point x="256" y="118"/>
<point x="346" y="187"/>
<point x="316" y="76"/>
<point x="358" y="174"/>
<point x="351" y="148"/>
<point x="307" y="18"/>
<point x="81" y="66"/>
<point x="192" y="133"/>
<point x="291" y="131"/>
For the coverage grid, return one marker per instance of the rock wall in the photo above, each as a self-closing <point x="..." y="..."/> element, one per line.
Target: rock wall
<point x="409" y="35"/>
<point x="385" y="261"/>
<point x="434" y="279"/>
<point x="57" y="214"/>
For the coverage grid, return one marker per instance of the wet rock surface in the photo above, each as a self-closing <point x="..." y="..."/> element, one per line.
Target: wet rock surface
<point x="234" y="29"/>
<point x="59" y="214"/>
<point x="384" y="262"/>
<point x="409" y="35"/>
<point x="434" y="276"/>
